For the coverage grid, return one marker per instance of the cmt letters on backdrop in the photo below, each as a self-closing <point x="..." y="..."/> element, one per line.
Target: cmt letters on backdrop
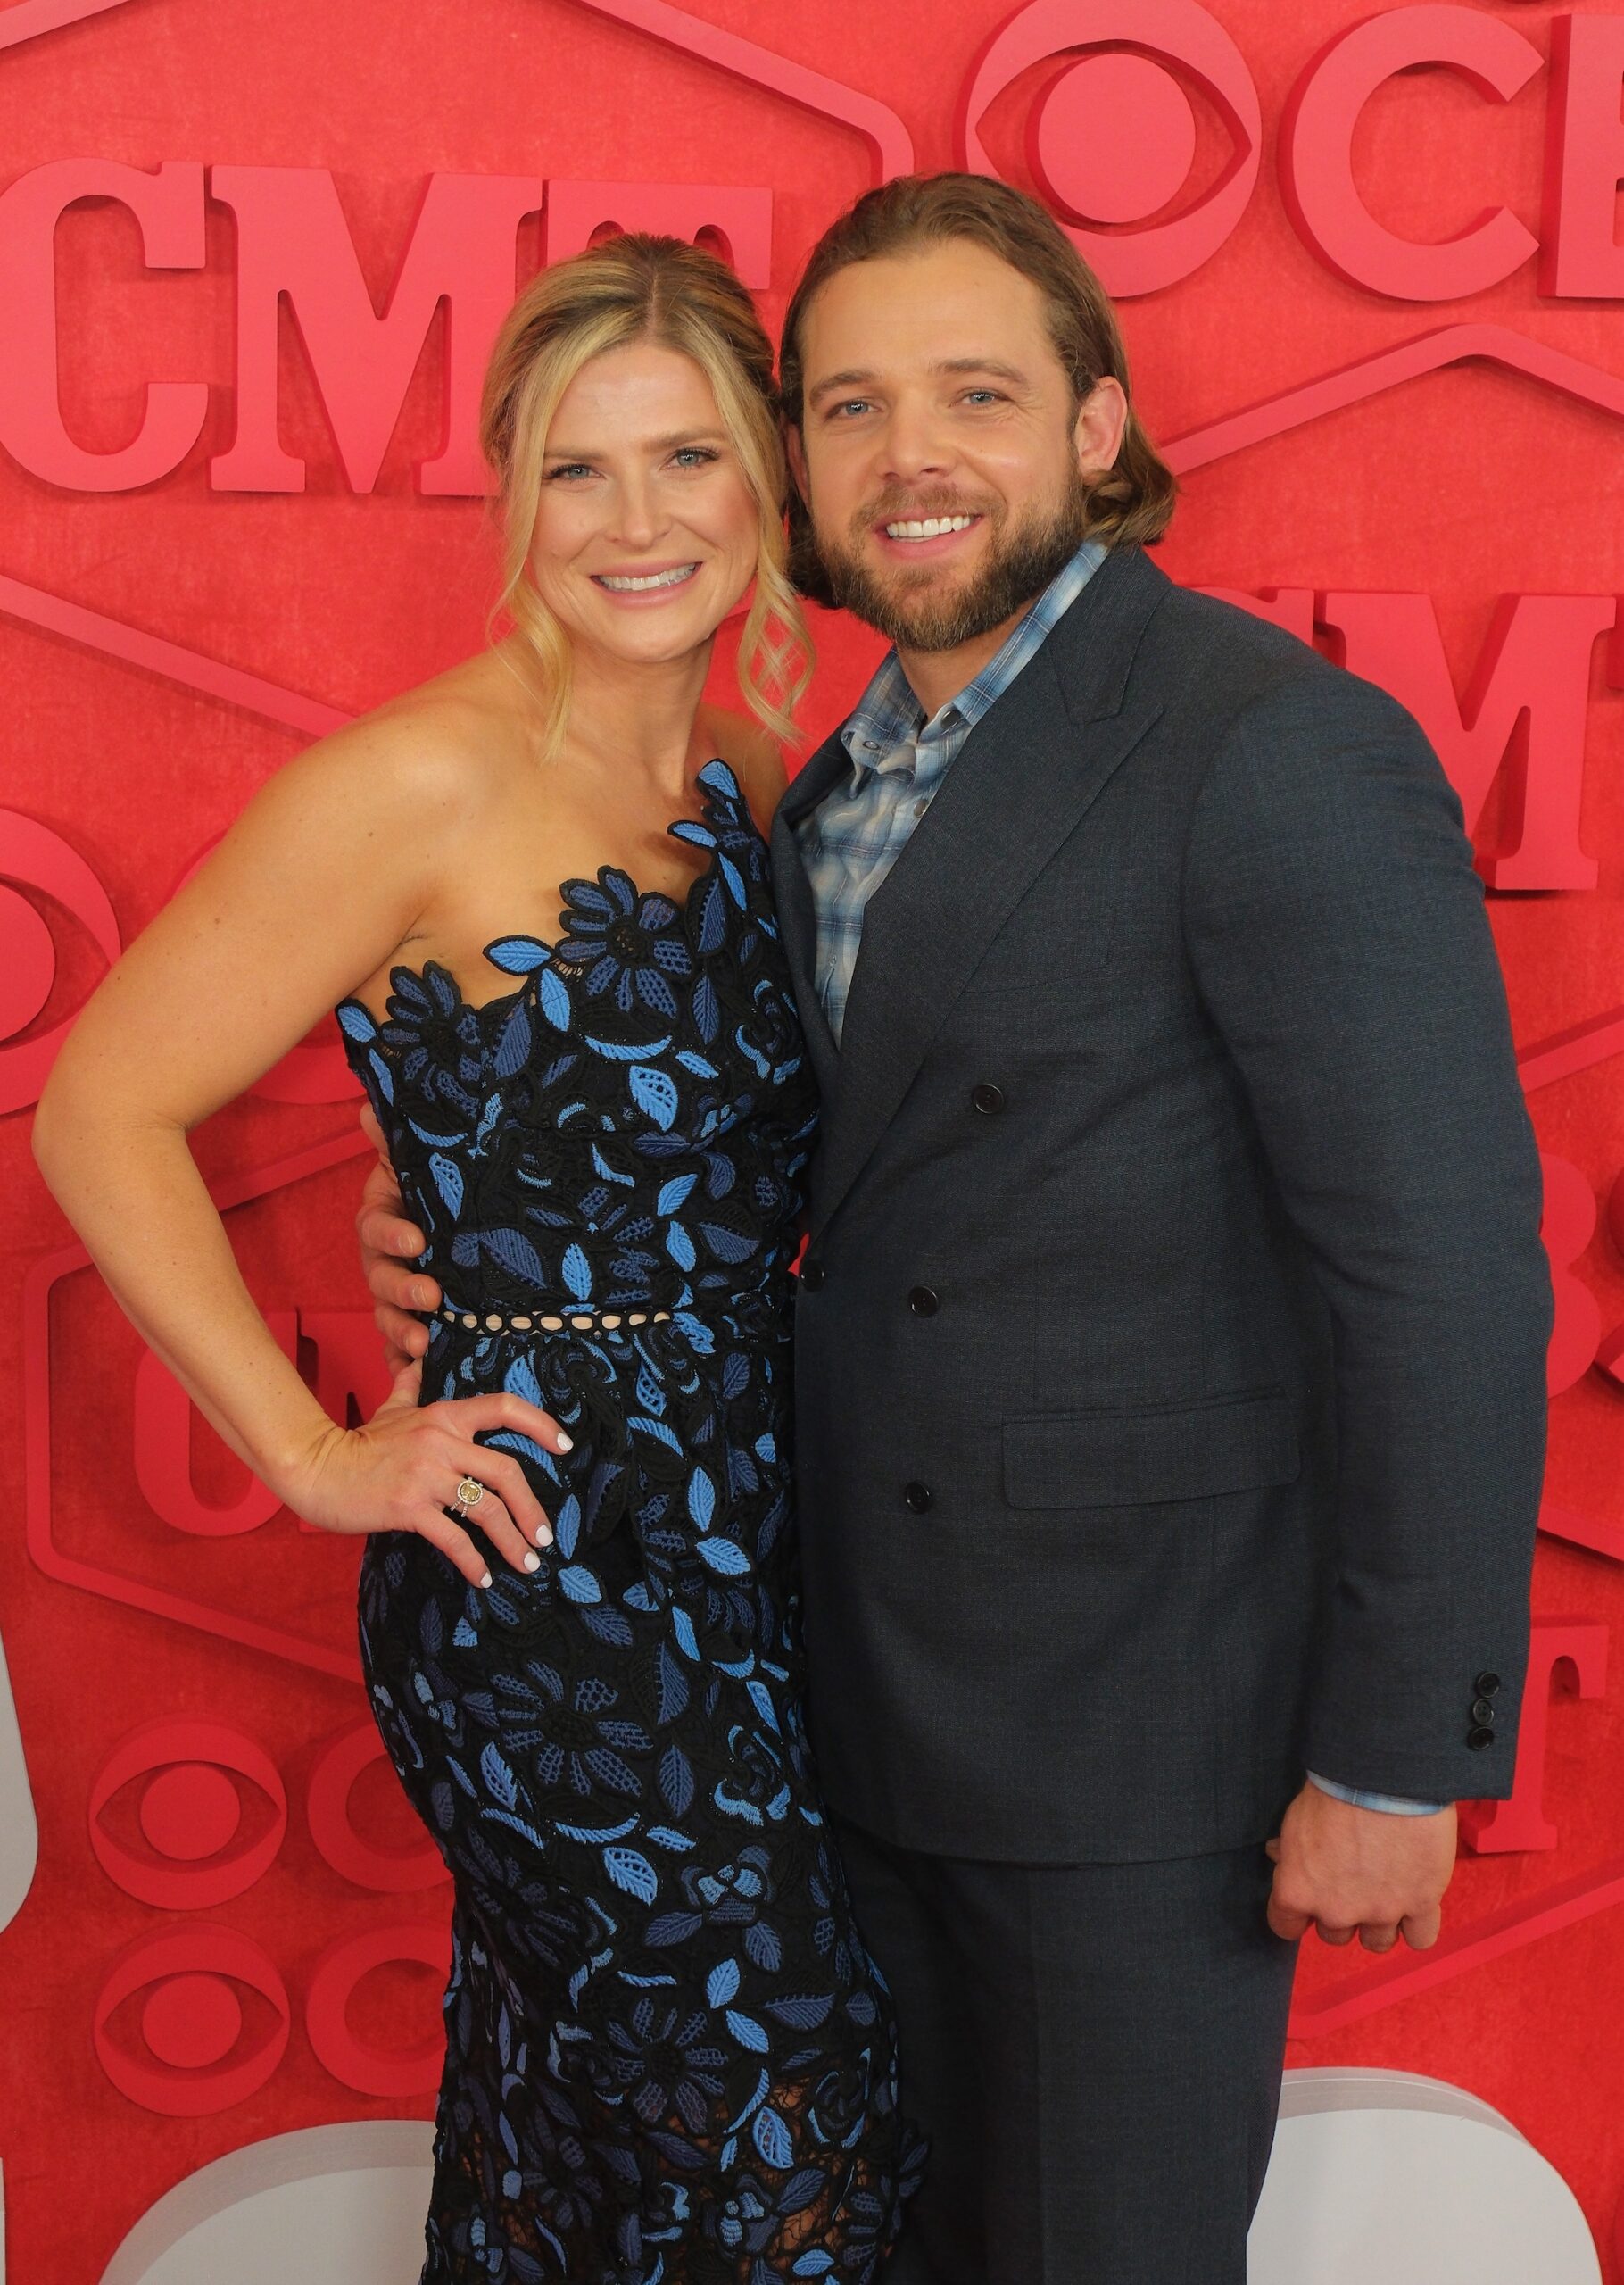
<point x="293" y="243"/>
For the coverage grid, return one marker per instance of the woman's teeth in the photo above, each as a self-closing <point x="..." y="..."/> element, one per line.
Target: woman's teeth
<point x="653" y="579"/>
<point x="930" y="527"/>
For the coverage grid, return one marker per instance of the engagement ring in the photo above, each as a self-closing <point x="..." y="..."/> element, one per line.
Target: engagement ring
<point x="470" y="1493"/>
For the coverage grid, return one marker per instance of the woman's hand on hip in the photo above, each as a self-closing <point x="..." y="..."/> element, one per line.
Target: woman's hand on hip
<point x="401" y="1471"/>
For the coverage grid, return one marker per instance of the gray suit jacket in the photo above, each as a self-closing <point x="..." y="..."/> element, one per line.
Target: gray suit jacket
<point x="1170" y="1350"/>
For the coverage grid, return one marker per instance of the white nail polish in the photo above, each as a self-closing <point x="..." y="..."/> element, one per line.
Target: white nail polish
<point x="565" y="1443"/>
<point x="485" y="1579"/>
<point x="533" y="1562"/>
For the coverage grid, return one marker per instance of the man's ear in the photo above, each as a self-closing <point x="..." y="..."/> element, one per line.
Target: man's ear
<point x="796" y="454"/>
<point x="1101" y="426"/>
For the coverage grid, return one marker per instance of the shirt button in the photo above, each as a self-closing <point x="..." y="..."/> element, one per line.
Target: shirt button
<point x="924" y="1302"/>
<point x="1487" y="1685"/>
<point x="812" y="1275"/>
<point x="1479" y="1738"/>
<point x="920" y="807"/>
<point x="916" y="1497"/>
<point x="987" y="1097"/>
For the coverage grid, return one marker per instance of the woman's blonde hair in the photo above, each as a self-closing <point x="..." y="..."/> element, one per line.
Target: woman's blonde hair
<point x="640" y="287"/>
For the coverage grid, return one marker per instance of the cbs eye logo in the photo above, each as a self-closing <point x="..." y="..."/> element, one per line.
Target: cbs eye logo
<point x="187" y="1815"/>
<point x="1112" y="140"/>
<point x="32" y="856"/>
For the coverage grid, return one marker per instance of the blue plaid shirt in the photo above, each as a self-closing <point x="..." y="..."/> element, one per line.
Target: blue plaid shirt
<point x="850" y="841"/>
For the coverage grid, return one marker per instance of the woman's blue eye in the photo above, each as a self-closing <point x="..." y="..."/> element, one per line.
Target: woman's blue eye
<point x="691" y="452"/>
<point x="571" y="467"/>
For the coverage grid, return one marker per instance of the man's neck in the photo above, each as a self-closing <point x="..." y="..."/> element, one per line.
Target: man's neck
<point x="934" y="676"/>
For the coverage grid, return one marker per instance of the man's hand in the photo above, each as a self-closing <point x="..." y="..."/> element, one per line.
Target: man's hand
<point x="389" y="1243"/>
<point x="1360" y="1871"/>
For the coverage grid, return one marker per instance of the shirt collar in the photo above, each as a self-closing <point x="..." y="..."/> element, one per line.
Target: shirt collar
<point x="889" y="715"/>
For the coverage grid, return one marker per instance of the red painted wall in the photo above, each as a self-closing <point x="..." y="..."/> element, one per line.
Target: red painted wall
<point x="1392" y="416"/>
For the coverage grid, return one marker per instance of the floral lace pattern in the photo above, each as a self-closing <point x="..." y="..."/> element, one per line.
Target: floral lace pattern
<point x="668" y="2056"/>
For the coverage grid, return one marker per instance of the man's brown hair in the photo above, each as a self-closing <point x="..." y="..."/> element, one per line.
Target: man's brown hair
<point x="1133" y="501"/>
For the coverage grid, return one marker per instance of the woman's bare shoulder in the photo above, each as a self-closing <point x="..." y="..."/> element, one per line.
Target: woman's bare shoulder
<point x="440" y="750"/>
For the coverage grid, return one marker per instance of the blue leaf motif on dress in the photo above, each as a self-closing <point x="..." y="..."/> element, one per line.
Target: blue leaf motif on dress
<point x="355" y="1022"/>
<point x="803" y="2011"/>
<point x="515" y="1253"/>
<point x="763" y="1946"/>
<point x="701" y="1499"/>
<point x="771" y="2137"/>
<point x="722" y="1984"/>
<point x="631" y="1870"/>
<point x="513" y="1049"/>
<point x="577" y="1273"/>
<point x="498" y="1777"/>
<point x="723" y="1555"/>
<point x="679" y="1245"/>
<point x="566" y="1526"/>
<point x="672" y="1194"/>
<point x="727" y="1245"/>
<point x="519" y="1380"/>
<point x="657" y="1429"/>
<point x="748" y="2031"/>
<point x="675" y="1780"/>
<point x="628" y="1051"/>
<point x="554" y="999"/>
<point x="580" y="1584"/>
<point x="448" y="1179"/>
<point x="654" y="1091"/>
<point x="519" y="955"/>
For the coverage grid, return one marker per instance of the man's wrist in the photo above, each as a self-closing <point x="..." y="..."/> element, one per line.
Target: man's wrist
<point x="1395" y="1805"/>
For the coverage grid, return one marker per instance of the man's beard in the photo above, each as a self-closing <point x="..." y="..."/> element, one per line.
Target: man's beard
<point x="1019" y="562"/>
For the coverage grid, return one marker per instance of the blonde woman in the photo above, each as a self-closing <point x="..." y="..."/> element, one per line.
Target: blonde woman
<point x="667" y="2054"/>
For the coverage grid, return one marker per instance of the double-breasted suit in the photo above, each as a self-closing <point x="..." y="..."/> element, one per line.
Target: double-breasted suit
<point x="1169" y="1344"/>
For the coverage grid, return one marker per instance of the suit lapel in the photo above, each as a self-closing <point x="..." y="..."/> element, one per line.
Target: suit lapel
<point x="1027" y="775"/>
<point x="792" y="896"/>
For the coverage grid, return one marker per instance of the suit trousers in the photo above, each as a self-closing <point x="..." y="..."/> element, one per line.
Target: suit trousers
<point x="1094" y="2052"/>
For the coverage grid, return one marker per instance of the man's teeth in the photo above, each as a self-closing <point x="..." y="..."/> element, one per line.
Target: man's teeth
<point x="930" y="527"/>
<point x="652" y="580"/>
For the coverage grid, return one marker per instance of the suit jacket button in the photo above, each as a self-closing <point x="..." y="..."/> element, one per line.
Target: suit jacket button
<point x="987" y="1097"/>
<point x="924" y="1302"/>
<point x="916" y="1496"/>
<point x="1477" y="1739"/>
<point x="812" y="1275"/>
<point x="1483" y="1710"/>
<point x="1487" y="1685"/>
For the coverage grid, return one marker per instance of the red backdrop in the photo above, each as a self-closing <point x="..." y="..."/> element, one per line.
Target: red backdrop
<point x="1371" y="289"/>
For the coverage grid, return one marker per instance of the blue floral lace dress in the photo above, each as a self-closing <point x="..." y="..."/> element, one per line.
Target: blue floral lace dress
<point x="668" y="2056"/>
